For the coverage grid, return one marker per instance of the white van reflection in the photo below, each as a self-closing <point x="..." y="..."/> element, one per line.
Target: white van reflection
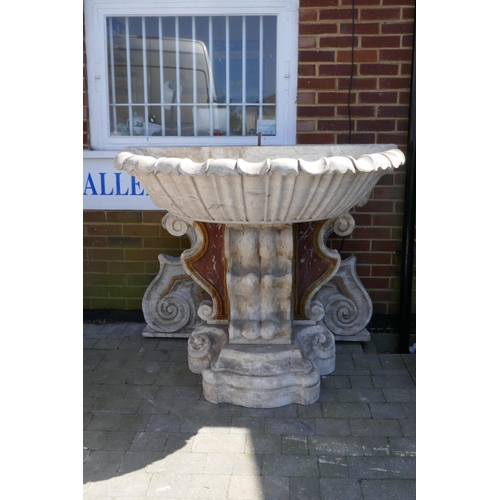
<point x="175" y="89"/>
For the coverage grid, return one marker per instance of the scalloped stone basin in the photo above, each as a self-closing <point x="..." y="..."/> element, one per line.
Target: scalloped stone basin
<point x="259" y="185"/>
<point x="238" y="206"/>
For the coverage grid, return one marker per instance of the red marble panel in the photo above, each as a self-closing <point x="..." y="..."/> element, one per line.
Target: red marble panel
<point x="211" y="265"/>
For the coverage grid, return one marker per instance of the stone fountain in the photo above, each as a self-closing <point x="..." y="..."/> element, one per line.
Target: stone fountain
<point x="257" y="219"/>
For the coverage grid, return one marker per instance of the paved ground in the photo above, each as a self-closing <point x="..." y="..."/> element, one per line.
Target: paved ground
<point x="148" y="432"/>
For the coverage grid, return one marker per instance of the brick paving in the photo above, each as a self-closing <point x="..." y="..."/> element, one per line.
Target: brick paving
<point x="148" y="433"/>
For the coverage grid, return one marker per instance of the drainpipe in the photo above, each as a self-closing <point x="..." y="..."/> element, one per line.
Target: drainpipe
<point x="409" y="223"/>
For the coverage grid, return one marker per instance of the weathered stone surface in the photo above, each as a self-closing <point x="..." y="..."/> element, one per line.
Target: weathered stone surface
<point x="248" y="348"/>
<point x="269" y="184"/>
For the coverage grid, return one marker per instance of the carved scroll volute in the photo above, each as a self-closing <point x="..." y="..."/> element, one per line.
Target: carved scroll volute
<point x="196" y="233"/>
<point x="313" y="310"/>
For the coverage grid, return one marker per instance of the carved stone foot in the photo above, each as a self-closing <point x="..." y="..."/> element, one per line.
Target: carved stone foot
<point x="261" y="376"/>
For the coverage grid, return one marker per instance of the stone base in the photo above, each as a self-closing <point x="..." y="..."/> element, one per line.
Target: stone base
<point x="262" y="376"/>
<point x="150" y="333"/>
<point x="257" y="376"/>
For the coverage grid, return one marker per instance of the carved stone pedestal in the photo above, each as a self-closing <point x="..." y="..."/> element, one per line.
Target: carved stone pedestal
<point x="250" y="349"/>
<point x="257" y="219"/>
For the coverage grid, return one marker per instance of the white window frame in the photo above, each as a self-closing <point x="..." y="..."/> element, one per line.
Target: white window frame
<point x="96" y="12"/>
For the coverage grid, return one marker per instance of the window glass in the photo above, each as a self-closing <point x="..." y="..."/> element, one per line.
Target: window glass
<point x="190" y="76"/>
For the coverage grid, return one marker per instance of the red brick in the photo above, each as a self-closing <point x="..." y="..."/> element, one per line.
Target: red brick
<point x="337" y="41"/>
<point x="377" y="97"/>
<point x="306" y="125"/>
<point x="394" y="83"/>
<point x="308" y="15"/>
<point x="94" y="241"/>
<point x="387" y="220"/>
<point x="376" y="233"/>
<point x="404" y="97"/>
<point x="315" y="111"/>
<point x="375" y="125"/>
<point x="377" y="206"/>
<point x="356" y="111"/>
<point x="316" y="83"/>
<point x="334" y="98"/>
<point x="380" y="41"/>
<point x="378" y="69"/>
<point x="141" y="230"/>
<point x="307" y="70"/>
<point x="104" y="229"/>
<point x="105" y="254"/>
<point x="395" y="54"/>
<point x="336" y="70"/>
<point x="141" y="254"/>
<point x="360" y="28"/>
<point x="387" y="180"/>
<point x="95" y="266"/>
<point x="408" y="13"/>
<point x="126" y="216"/>
<point x="400" y="139"/>
<point x="152" y="216"/>
<point x="351" y="245"/>
<point x="399" y="178"/>
<point x="317" y="28"/>
<point x="398" y="28"/>
<point x="359" y="56"/>
<point x="337" y="14"/>
<point x="406" y="68"/>
<point x="307" y="42"/>
<point x="315" y="138"/>
<point x="407" y="41"/>
<point x="388" y="271"/>
<point x="357" y="83"/>
<point x="362" y="219"/>
<point x="360" y="2"/>
<point x="317" y="3"/>
<point x="376" y="283"/>
<point x="388" y="193"/>
<point x="127" y="267"/>
<point x="316" y="56"/>
<point x="333" y="124"/>
<point x="398" y="2"/>
<point x="384" y="246"/>
<point x="402" y="126"/>
<point x="382" y="14"/>
<point x="393" y="111"/>
<point x="94" y="216"/>
<point x="356" y="138"/>
<point x="380" y="295"/>
<point x="373" y="258"/>
<point x="306" y="98"/>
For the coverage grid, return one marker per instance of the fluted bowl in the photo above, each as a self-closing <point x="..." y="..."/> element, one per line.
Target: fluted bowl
<point x="260" y="184"/>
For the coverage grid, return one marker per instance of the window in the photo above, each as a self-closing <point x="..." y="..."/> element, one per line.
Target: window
<point x="193" y="73"/>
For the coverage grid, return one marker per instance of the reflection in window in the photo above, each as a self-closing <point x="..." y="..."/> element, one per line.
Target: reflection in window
<point x="191" y="75"/>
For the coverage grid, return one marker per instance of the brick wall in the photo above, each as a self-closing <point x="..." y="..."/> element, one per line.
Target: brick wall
<point x="121" y="248"/>
<point x="120" y="256"/>
<point x="379" y="106"/>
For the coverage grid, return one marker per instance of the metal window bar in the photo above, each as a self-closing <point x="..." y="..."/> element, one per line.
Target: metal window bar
<point x="129" y="79"/>
<point x="145" y="74"/>
<point x="228" y="98"/>
<point x="210" y="76"/>
<point x="195" y="86"/>
<point x="162" y="79"/>
<point x="261" y="64"/>
<point x="113" y="81"/>
<point x="243" y="75"/>
<point x="177" y="77"/>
